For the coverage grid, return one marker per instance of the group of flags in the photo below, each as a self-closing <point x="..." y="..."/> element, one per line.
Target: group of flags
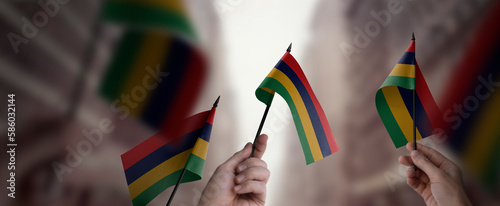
<point x="157" y="49"/>
<point x="155" y="76"/>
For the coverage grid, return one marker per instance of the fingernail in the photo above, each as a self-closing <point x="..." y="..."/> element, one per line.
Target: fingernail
<point x="240" y="178"/>
<point x="242" y="167"/>
<point x="237" y="187"/>
<point x="248" y="144"/>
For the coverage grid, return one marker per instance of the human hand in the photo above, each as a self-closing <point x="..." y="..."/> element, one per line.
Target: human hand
<point x="437" y="179"/>
<point x="240" y="180"/>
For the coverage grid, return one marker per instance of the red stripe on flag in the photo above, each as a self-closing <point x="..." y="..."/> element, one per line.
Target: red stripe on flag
<point x="425" y="95"/>
<point x="411" y="48"/>
<point x="158" y="140"/>
<point x="185" y="99"/>
<point x="292" y="63"/>
<point x="210" y="118"/>
<point x="474" y="56"/>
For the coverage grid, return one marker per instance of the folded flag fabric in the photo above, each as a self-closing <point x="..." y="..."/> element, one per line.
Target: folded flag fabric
<point x="154" y="76"/>
<point x="289" y="81"/>
<point x="394" y="101"/>
<point x="157" y="163"/>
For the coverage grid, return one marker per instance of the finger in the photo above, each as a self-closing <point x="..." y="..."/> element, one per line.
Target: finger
<point x="251" y="162"/>
<point x="416" y="184"/>
<point x="260" y="146"/>
<point x="412" y="173"/>
<point x="434" y="156"/>
<point x="237" y="158"/>
<point x="425" y="165"/>
<point x="405" y="160"/>
<point x="255" y="187"/>
<point x="254" y="173"/>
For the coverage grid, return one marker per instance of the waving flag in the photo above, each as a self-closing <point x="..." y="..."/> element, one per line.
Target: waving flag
<point x="289" y="81"/>
<point x="474" y="88"/>
<point x="156" y="72"/>
<point x="394" y="101"/>
<point x="157" y="163"/>
<point x="155" y="77"/>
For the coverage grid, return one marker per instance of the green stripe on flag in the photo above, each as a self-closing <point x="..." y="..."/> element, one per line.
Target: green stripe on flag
<point x="195" y="165"/>
<point x="276" y="86"/>
<point x="149" y="194"/>
<point x="121" y="65"/>
<point x="139" y="14"/>
<point x="492" y="169"/>
<point x="193" y="173"/>
<point x="389" y="121"/>
<point x="405" y="82"/>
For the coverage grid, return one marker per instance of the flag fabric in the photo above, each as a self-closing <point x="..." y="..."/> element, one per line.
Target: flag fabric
<point x="394" y="102"/>
<point x="157" y="72"/>
<point x="154" y="76"/>
<point x="289" y="81"/>
<point x="167" y="14"/>
<point x="471" y="101"/>
<point x="157" y="163"/>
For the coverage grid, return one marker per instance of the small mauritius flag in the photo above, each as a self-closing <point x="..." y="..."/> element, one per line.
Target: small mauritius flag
<point x="289" y="81"/>
<point x="158" y="162"/>
<point x="157" y="71"/>
<point x="394" y="101"/>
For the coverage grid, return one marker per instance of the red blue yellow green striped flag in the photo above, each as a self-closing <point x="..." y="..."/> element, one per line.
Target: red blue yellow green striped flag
<point x="472" y="100"/>
<point x="394" y="101"/>
<point x="155" y="77"/>
<point x="289" y="81"/>
<point x="157" y="163"/>
<point x="156" y="73"/>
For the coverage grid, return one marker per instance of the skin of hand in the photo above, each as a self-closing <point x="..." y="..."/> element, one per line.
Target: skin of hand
<point x="240" y="180"/>
<point x="437" y="179"/>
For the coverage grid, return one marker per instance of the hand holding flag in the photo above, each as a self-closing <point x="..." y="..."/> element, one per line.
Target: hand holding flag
<point x="405" y="104"/>
<point x="288" y="80"/>
<point x="240" y="180"/>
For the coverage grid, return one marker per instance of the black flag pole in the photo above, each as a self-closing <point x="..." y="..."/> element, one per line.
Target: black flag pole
<point x="216" y="103"/>
<point x="176" y="186"/>
<point x="260" y="128"/>
<point x="414" y="110"/>
<point x="289" y="49"/>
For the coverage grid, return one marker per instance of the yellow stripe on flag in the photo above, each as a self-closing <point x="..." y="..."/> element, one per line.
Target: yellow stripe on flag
<point x="152" y="54"/>
<point x="483" y="136"/>
<point x="270" y="91"/>
<point x="173" y="5"/>
<point x="301" y="109"/>
<point x="200" y="149"/>
<point x="403" y="70"/>
<point x="159" y="172"/>
<point x="400" y="112"/>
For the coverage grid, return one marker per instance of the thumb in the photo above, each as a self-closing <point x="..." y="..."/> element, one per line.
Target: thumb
<point x="425" y="165"/>
<point x="260" y="146"/>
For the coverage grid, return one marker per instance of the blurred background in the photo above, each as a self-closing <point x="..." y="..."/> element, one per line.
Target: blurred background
<point x="56" y="61"/>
